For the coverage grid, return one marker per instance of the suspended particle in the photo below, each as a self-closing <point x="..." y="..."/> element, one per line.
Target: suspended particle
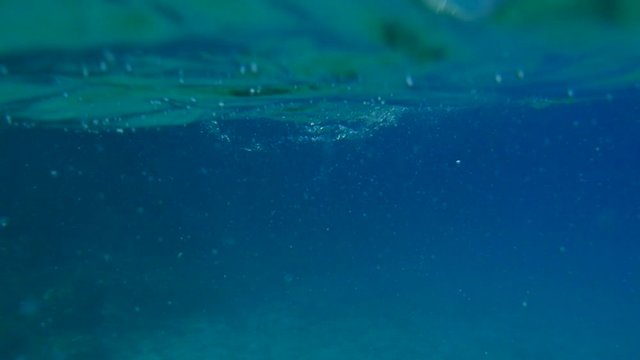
<point x="408" y="80"/>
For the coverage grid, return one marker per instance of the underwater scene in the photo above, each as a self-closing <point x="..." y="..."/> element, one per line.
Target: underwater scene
<point x="319" y="180"/>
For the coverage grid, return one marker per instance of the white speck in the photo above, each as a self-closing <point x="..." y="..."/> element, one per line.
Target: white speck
<point x="103" y="66"/>
<point x="458" y="162"/>
<point x="254" y="67"/>
<point x="4" y="221"/>
<point x="408" y="80"/>
<point x="498" y="78"/>
<point x="570" y="92"/>
<point x="120" y="130"/>
<point x="520" y="74"/>
<point x="525" y="304"/>
<point x="8" y="119"/>
<point x="221" y="104"/>
<point x="54" y="173"/>
<point x="180" y="255"/>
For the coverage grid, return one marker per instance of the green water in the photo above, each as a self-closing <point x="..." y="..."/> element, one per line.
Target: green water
<point x="121" y="65"/>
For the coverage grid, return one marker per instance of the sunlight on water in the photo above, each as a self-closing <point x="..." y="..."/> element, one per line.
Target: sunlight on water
<point x="463" y="9"/>
<point x="320" y="76"/>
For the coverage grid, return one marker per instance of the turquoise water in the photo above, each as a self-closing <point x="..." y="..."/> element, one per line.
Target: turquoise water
<point x="316" y="181"/>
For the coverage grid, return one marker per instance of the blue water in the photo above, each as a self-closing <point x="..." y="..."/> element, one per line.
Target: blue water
<point x="504" y="233"/>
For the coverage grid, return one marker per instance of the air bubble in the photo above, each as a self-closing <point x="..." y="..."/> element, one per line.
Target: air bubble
<point x="408" y="80"/>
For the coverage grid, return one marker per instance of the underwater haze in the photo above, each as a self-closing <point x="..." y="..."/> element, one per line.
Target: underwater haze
<point x="319" y="180"/>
